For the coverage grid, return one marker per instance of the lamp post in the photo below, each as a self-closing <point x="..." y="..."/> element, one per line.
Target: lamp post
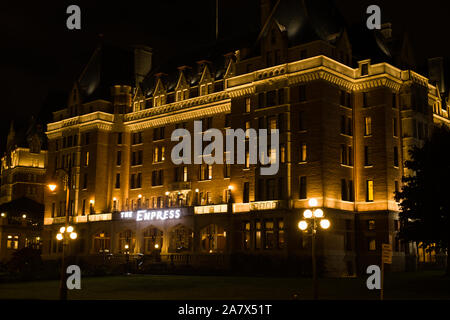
<point x="62" y="235"/>
<point x="316" y="215"/>
<point x="127" y="256"/>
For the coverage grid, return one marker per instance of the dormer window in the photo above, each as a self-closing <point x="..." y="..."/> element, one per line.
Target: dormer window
<point x="364" y="67"/>
<point x="182" y="95"/>
<point x="206" y="88"/>
<point x="159" y="100"/>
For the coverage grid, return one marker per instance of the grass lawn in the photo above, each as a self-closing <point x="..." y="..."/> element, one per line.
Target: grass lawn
<point x="423" y="285"/>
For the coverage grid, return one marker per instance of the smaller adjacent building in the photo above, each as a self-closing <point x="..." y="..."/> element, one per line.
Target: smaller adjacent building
<point x="20" y="226"/>
<point x="23" y="176"/>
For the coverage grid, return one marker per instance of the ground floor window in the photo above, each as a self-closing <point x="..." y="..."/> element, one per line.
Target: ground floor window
<point x="102" y="242"/>
<point x="180" y="239"/>
<point x="12" y="242"/>
<point x="153" y="240"/>
<point x="213" y="238"/>
<point x="126" y="241"/>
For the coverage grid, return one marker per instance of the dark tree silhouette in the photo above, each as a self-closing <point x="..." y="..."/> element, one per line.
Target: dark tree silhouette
<point x="425" y="196"/>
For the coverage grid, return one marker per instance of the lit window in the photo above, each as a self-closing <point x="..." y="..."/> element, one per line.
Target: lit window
<point x="247" y="104"/>
<point x="372" y="244"/>
<point x="282" y="154"/>
<point x="371" y="224"/>
<point x="303" y="152"/>
<point x="210" y="172"/>
<point x="369" y="194"/>
<point x="13" y="242"/>
<point x="367" y="126"/>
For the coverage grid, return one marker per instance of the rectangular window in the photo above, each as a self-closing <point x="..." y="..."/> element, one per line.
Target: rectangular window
<point x="351" y="191"/>
<point x="301" y="126"/>
<point x="371" y="225"/>
<point x="372" y="244"/>
<point x="344" y="194"/>
<point x="271" y="98"/>
<point x="280" y="234"/>
<point x="350" y="156"/>
<point x="86" y="138"/>
<point x="185" y="174"/>
<point x="364" y="102"/>
<point x="247" y="104"/>
<point x="366" y="156"/>
<point x="117" y="184"/>
<point x="395" y="156"/>
<point x="119" y="158"/>
<point x="302" y="93"/>
<point x="342" y="98"/>
<point x="394" y="100"/>
<point x="86" y="160"/>
<point x="228" y="120"/>
<point x="281" y="96"/>
<point x="270" y="189"/>
<point x="282" y="153"/>
<point x="394" y="127"/>
<point x="396" y="186"/>
<point x="343" y="154"/>
<point x="369" y="190"/>
<point x="247" y="235"/>
<point x="343" y="125"/>
<point x="85" y="181"/>
<point x="269" y="239"/>
<point x="139" y="180"/>
<point x="137" y="137"/>
<point x="132" y="181"/>
<point x="226" y="170"/>
<point x="367" y="126"/>
<point x="302" y="191"/>
<point x="258" y="235"/>
<point x="246" y="192"/>
<point x="303" y="150"/>
<point x="119" y="138"/>
<point x="364" y="69"/>
<point x="261" y="100"/>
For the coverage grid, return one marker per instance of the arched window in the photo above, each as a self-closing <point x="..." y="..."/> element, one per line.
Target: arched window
<point x="180" y="239"/>
<point x="213" y="238"/>
<point x="153" y="240"/>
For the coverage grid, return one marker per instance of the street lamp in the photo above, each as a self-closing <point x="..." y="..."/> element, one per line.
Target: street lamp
<point x="305" y="226"/>
<point x="127" y="255"/>
<point x="65" y="234"/>
<point x="61" y="236"/>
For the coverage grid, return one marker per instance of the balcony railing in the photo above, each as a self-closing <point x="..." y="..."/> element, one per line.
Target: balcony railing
<point x="100" y="217"/>
<point x="216" y="208"/>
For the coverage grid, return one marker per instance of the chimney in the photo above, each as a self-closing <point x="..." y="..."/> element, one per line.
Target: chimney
<point x="142" y="63"/>
<point x="436" y="73"/>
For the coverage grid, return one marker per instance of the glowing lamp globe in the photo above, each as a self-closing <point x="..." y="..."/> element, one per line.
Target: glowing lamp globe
<point x="307" y="214"/>
<point x="318" y="213"/>
<point x="312" y="202"/>
<point x="302" y="225"/>
<point x="325" y="223"/>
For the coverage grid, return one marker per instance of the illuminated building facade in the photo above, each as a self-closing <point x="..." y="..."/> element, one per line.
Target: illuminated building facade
<point x="345" y="124"/>
<point x="23" y="180"/>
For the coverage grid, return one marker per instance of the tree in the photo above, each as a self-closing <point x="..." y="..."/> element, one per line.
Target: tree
<point x="425" y="196"/>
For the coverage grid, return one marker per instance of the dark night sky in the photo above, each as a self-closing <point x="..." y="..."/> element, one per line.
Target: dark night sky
<point x="41" y="58"/>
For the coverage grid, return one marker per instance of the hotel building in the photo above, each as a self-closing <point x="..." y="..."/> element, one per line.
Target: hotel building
<point x="346" y="123"/>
